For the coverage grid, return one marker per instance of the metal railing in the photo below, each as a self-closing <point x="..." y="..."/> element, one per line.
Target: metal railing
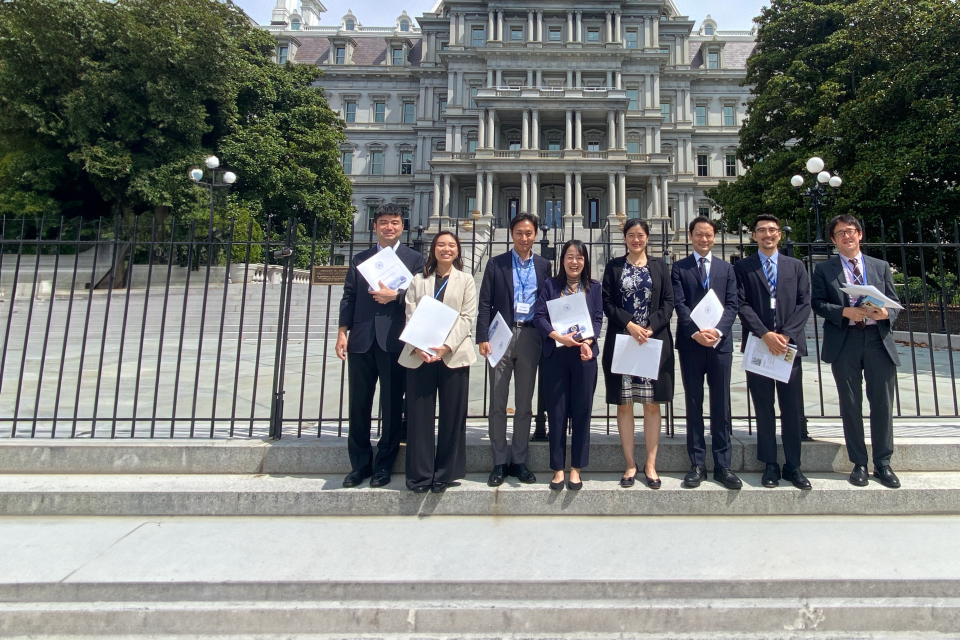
<point x="166" y="329"/>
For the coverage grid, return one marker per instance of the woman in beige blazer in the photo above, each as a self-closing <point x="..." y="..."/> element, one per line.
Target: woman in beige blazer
<point x="435" y="465"/>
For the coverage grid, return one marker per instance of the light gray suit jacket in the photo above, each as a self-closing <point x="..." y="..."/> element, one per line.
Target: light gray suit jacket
<point x="828" y="302"/>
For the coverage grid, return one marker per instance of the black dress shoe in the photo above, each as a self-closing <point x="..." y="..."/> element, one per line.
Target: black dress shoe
<point x="574" y="486"/>
<point x="521" y="473"/>
<point x="354" y="478"/>
<point x="439" y="487"/>
<point x="420" y="489"/>
<point x="653" y="483"/>
<point x="727" y="478"/>
<point x="859" y="477"/>
<point x="771" y="476"/>
<point x="496" y="476"/>
<point x="697" y="474"/>
<point x="556" y="486"/>
<point x="794" y="476"/>
<point x="380" y="478"/>
<point x="887" y="477"/>
<point x="627" y="481"/>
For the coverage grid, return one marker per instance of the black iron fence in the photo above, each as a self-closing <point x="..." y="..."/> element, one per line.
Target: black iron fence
<point x="164" y="329"/>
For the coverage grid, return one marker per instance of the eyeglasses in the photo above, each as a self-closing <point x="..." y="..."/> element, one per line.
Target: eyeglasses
<point x="848" y="232"/>
<point x="764" y="231"/>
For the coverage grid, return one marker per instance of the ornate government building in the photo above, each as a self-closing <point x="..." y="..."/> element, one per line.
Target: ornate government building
<point x="581" y="112"/>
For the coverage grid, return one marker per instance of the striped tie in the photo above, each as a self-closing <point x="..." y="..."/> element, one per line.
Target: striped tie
<point x="858" y="276"/>
<point x="770" y="271"/>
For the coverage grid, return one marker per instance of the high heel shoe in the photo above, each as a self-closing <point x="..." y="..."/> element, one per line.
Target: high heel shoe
<point x="626" y="482"/>
<point x="652" y="483"/>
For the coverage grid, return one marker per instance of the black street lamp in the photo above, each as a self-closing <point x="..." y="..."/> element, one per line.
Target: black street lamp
<point x="818" y="192"/>
<point x="227" y="178"/>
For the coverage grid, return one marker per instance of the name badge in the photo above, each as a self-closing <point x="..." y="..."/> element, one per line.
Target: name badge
<point x="773" y="303"/>
<point x="523" y="308"/>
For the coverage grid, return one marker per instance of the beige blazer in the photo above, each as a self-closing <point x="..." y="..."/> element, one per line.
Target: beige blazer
<point x="460" y="295"/>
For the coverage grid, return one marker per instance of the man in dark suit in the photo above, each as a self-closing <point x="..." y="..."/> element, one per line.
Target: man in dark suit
<point x="373" y="320"/>
<point x="774" y="294"/>
<point x="510" y="286"/>
<point x="858" y="344"/>
<point x="706" y="352"/>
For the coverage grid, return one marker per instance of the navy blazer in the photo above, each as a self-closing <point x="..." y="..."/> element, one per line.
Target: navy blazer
<point x="496" y="290"/>
<point x="366" y="318"/>
<point x="828" y="301"/>
<point x="793" y="299"/>
<point x="688" y="292"/>
<point x="551" y="290"/>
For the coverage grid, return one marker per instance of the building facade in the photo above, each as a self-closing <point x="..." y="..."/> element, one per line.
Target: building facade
<point x="581" y="114"/>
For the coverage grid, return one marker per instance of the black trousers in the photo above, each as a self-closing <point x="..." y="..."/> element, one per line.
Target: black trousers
<point x="695" y="365"/>
<point x="364" y="369"/>
<point x="569" y="384"/>
<point x="443" y="459"/>
<point x="863" y="356"/>
<point x="790" y="397"/>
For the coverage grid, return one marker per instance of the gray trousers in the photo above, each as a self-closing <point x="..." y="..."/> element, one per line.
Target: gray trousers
<point x="863" y="357"/>
<point x="521" y="359"/>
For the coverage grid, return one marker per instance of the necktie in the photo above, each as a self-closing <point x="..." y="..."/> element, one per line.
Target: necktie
<point x="703" y="273"/>
<point x="770" y="270"/>
<point x="858" y="276"/>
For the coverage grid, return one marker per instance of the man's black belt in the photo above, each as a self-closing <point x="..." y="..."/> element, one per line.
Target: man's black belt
<point x="522" y="324"/>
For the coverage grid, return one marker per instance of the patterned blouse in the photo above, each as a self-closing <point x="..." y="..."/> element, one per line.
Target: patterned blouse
<point x="636" y="287"/>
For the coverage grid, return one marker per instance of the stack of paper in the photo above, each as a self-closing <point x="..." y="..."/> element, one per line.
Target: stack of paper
<point x="569" y="316"/>
<point x="429" y="325"/>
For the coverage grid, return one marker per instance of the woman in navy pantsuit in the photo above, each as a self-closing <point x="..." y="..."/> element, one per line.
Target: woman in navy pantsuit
<point x="570" y="370"/>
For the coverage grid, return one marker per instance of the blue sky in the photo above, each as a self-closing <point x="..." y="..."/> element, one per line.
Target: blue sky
<point x="732" y="14"/>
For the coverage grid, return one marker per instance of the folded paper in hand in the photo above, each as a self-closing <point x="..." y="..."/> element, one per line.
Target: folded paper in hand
<point x="630" y="358"/>
<point x="707" y="314"/>
<point x="429" y="325"/>
<point x="569" y="316"/>
<point x="758" y="359"/>
<point x="386" y="267"/>
<point x="872" y="297"/>
<point x="499" y="337"/>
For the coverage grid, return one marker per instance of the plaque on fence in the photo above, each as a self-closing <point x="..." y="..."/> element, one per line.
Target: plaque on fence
<point x="328" y="275"/>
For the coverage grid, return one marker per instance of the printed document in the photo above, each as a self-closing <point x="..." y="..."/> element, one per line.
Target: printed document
<point x="630" y="358"/>
<point x="569" y="316"/>
<point x="499" y="337"/>
<point x="387" y="268"/>
<point x="872" y="297"/>
<point x="429" y="325"/>
<point x="707" y="314"/>
<point x="758" y="359"/>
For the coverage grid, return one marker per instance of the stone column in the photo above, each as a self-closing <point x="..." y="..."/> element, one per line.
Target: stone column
<point x="529" y="77"/>
<point x="481" y="129"/>
<point x="525" y="132"/>
<point x="578" y="195"/>
<point x="488" y="207"/>
<point x="436" y="195"/>
<point x="530" y="33"/>
<point x="446" y="195"/>
<point x="579" y="133"/>
<point x="609" y="81"/>
<point x="538" y="78"/>
<point x="579" y="79"/>
<point x="609" y="32"/>
<point x="618" y="29"/>
<point x="655" y="196"/>
<point x="535" y="129"/>
<point x="648" y="140"/>
<point x="569" y="26"/>
<point x="622" y="193"/>
<point x="458" y="88"/>
<point x="534" y="193"/>
<point x="461" y="27"/>
<point x="622" y="130"/>
<point x="611" y="131"/>
<point x="524" y="191"/>
<point x="617" y="81"/>
<point x="422" y="107"/>
<point x="500" y="26"/>
<point x="448" y="140"/>
<point x="612" y="194"/>
<point x="569" y="139"/>
<point x="458" y="138"/>
<point x="499" y="77"/>
<point x="450" y="85"/>
<point x="656" y="33"/>
<point x="579" y="30"/>
<point x="479" y="198"/>
<point x="426" y="51"/>
<point x="569" y="78"/>
<point x="567" y="195"/>
<point x="491" y="129"/>
<point x="539" y="34"/>
<point x="490" y="78"/>
<point x="490" y="25"/>
<point x="665" y="207"/>
<point x="453" y="28"/>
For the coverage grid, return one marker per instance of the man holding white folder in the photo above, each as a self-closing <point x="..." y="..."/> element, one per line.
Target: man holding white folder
<point x="774" y="294"/>
<point x="706" y="351"/>
<point x="858" y="344"/>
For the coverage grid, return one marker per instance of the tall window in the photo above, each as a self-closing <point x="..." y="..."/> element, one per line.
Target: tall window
<point x="665" y="112"/>
<point x="472" y="145"/>
<point x="473" y="96"/>
<point x="713" y="60"/>
<point x="516" y="34"/>
<point x="295" y="25"/>
<point x="442" y="107"/>
<point x="479" y="37"/>
<point x="633" y="207"/>
<point x="341" y="55"/>
<point x="376" y="163"/>
<point x="556" y="34"/>
<point x="350" y="111"/>
<point x="379" y="111"/>
<point x="409" y="113"/>
<point x="633" y="98"/>
<point x="282" y="55"/>
<point x="633" y="41"/>
<point x="700" y="112"/>
<point x="371" y="210"/>
<point x="398" y="57"/>
<point x="633" y="146"/>
<point x="730" y="166"/>
<point x="406" y="163"/>
<point x="593" y="35"/>
<point x="593" y="145"/>
<point x="471" y="205"/>
<point x="702" y="166"/>
<point x="346" y="159"/>
<point x="513" y="145"/>
<point x="704" y="211"/>
<point x="729" y="116"/>
<point x="553" y="144"/>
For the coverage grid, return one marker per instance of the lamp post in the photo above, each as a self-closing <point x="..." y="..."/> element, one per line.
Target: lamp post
<point x="227" y="178"/>
<point x="818" y="192"/>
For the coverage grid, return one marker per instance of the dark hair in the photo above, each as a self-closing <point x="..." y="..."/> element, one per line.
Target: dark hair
<point x="523" y="216"/>
<point x="636" y="222"/>
<point x="843" y="218"/>
<point x="388" y="209"/>
<point x="581" y="248"/>
<point x="765" y="217"/>
<point x="703" y="219"/>
<point x="430" y="267"/>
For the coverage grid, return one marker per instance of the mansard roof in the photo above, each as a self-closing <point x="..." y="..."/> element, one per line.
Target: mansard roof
<point x="735" y="54"/>
<point x="368" y="52"/>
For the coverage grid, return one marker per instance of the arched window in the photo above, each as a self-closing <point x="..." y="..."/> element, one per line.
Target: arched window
<point x="349" y="25"/>
<point x="295" y="24"/>
<point x="404" y="25"/>
<point x="708" y="30"/>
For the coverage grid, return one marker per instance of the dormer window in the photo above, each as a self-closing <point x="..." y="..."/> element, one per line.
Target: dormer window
<point x="398" y="57"/>
<point x="713" y="60"/>
<point x="404" y="25"/>
<point x="708" y="30"/>
<point x="295" y="25"/>
<point x="341" y="55"/>
<point x="349" y="25"/>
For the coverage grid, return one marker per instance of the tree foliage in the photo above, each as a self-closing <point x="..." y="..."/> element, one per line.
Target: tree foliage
<point x="872" y="87"/>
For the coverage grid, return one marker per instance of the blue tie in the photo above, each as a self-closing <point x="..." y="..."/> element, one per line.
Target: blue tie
<point x="770" y="270"/>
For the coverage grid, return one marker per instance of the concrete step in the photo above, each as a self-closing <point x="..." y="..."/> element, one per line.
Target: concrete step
<point x="328" y="455"/>
<point x="305" y="495"/>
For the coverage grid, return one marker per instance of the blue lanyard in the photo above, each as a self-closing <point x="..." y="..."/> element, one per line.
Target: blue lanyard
<point x="862" y="280"/>
<point x="518" y="266"/>
<point x="706" y="273"/>
<point x="442" y="287"/>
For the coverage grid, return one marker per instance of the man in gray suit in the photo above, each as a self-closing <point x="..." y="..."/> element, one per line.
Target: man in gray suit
<point x="858" y="344"/>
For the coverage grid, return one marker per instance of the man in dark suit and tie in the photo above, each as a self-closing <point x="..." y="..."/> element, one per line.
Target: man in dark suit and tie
<point x="511" y="283"/>
<point x="774" y="294"/>
<point x="858" y="344"/>
<point x="369" y="339"/>
<point x="706" y="352"/>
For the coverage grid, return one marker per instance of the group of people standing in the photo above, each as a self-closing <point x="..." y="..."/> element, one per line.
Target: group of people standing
<point x="639" y="295"/>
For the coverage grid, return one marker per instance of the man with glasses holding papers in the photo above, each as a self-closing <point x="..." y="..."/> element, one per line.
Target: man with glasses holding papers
<point x="858" y="344"/>
<point x="372" y="315"/>
<point x="774" y="296"/>
<point x="706" y="350"/>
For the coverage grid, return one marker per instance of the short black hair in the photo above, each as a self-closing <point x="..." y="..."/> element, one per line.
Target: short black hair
<point x="636" y="222"/>
<point x="523" y="216"/>
<point x="843" y="218"/>
<point x="388" y="209"/>
<point x="561" y="276"/>
<point x="703" y="219"/>
<point x="765" y="217"/>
